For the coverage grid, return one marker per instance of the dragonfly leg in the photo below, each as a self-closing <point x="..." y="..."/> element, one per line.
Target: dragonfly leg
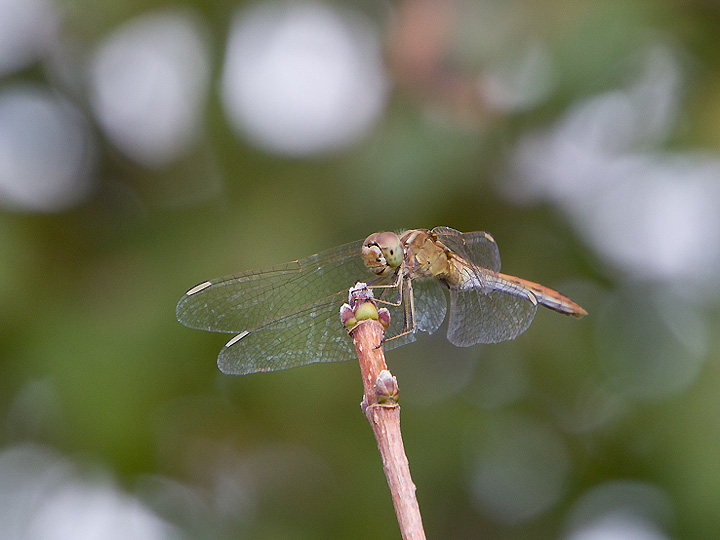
<point x="408" y="301"/>
<point x="396" y="284"/>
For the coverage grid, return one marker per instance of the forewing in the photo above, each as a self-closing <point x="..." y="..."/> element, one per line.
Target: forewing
<point x="310" y="334"/>
<point x="307" y="335"/>
<point x="243" y="302"/>
<point x="478" y="247"/>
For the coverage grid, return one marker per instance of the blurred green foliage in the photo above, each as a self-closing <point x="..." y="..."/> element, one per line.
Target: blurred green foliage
<point x="94" y="366"/>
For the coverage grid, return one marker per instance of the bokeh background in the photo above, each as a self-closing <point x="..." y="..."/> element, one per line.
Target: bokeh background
<point x="148" y="146"/>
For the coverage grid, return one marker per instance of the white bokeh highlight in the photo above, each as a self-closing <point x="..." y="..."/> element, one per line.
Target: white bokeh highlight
<point x="46" y="151"/>
<point x="652" y="214"/>
<point x="149" y="83"/>
<point x="621" y="510"/>
<point x="301" y="79"/>
<point x="44" y="497"/>
<point x="618" y="527"/>
<point x="28" y="29"/>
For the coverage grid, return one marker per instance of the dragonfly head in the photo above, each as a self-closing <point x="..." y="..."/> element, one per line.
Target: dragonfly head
<point x="382" y="253"/>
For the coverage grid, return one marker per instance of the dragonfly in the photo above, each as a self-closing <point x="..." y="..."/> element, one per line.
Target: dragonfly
<point x="288" y="315"/>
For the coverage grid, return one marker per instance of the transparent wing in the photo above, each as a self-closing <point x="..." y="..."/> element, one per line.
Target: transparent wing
<point x="396" y="335"/>
<point x="286" y="315"/>
<point x="430" y="304"/>
<point x="310" y="334"/>
<point x="487" y="309"/>
<point x="479" y="247"/>
<point x="491" y="317"/>
<point x="243" y="302"/>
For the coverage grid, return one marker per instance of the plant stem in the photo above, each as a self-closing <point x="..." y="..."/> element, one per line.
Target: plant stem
<point x="383" y="412"/>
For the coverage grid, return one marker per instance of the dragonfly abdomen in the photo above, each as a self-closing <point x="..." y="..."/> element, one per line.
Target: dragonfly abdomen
<point x="543" y="295"/>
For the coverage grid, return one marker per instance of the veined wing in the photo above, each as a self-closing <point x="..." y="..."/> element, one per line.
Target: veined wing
<point x="486" y="308"/>
<point x="482" y="251"/>
<point x="489" y="317"/>
<point x="243" y="302"/>
<point x="478" y="247"/>
<point x="430" y="304"/>
<point x="312" y="333"/>
<point x="286" y="315"/>
<point x="428" y="307"/>
<point x="398" y="333"/>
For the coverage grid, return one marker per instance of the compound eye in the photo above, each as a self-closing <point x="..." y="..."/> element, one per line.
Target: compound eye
<point x="391" y="248"/>
<point x="371" y="240"/>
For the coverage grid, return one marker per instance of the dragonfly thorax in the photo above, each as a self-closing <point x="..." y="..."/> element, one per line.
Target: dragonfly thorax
<point x="425" y="255"/>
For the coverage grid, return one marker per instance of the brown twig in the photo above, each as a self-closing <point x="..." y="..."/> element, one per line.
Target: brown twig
<point x="383" y="412"/>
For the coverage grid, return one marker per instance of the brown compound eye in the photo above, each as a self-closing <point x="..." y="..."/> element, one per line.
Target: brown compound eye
<point x="374" y="259"/>
<point x="371" y="240"/>
<point x="391" y="247"/>
<point x="382" y="253"/>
